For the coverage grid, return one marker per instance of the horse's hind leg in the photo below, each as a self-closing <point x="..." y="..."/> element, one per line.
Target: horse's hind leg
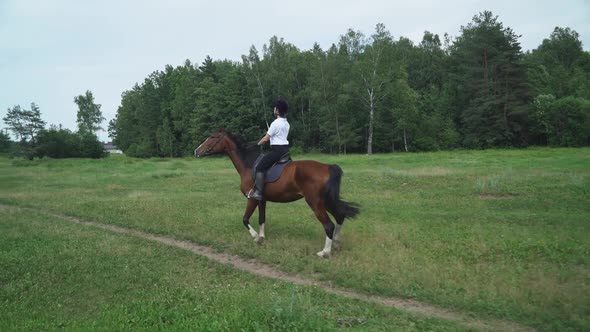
<point x="261" y="221"/>
<point x="336" y="244"/>
<point x="250" y="207"/>
<point x="317" y="205"/>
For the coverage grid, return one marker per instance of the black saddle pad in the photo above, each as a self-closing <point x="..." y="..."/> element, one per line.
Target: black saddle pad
<point x="274" y="172"/>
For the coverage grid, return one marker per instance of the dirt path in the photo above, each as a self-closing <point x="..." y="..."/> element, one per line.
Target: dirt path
<point x="268" y="271"/>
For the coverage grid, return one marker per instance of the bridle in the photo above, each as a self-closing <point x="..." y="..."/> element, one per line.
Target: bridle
<point x="209" y="149"/>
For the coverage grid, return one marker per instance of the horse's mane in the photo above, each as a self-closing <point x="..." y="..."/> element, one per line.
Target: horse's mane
<point x="248" y="152"/>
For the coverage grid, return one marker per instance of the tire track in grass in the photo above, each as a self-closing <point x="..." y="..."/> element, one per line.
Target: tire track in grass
<point x="268" y="271"/>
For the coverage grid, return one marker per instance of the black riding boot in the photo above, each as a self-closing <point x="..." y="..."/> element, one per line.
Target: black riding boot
<point x="256" y="192"/>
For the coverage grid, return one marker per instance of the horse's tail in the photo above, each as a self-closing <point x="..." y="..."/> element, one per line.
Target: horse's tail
<point x="337" y="207"/>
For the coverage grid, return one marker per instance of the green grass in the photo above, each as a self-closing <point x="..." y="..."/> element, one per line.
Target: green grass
<point x="498" y="233"/>
<point x="57" y="275"/>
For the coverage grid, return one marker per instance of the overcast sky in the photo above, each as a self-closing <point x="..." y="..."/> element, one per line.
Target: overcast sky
<point x="52" y="51"/>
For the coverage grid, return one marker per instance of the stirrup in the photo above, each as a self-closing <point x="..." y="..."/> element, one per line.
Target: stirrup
<point x="253" y="194"/>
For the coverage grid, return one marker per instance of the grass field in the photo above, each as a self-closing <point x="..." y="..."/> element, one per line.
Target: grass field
<point x="61" y="276"/>
<point x="498" y="233"/>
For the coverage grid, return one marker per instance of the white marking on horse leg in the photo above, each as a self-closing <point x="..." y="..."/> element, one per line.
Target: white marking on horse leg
<point x="260" y="238"/>
<point x="261" y="230"/>
<point x="328" y="245"/>
<point x="325" y="253"/>
<point x="252" y="232"/>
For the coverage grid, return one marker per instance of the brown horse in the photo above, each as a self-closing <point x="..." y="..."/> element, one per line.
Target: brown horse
<point x="318" y="183"/>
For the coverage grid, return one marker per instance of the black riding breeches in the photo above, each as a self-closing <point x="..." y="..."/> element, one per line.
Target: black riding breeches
<point x="277" y="151"/>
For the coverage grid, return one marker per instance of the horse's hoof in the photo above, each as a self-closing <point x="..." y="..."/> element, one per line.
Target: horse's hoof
<point x="323" y="254"/>
<point x="336" y="245"/>
<point x="259" y="240"/>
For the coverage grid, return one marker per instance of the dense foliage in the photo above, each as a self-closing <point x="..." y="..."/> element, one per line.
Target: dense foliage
<point x="5" y="142"/>
<point x="373" y="94"/>
<point x="62" y="143"/>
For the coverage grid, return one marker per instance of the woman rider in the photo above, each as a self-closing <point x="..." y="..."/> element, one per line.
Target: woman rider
<point x="277" y="134"/>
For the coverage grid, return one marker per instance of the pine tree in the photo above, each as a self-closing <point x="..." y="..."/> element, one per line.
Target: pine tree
<point x="491" y="82"/>
<point x="25" y="124"/>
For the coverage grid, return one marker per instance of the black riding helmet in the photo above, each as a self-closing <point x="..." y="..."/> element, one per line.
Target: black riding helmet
<point x="282" y="106"/>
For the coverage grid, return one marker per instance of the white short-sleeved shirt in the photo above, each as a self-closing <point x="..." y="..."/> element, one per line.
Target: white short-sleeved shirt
<point x="278" y="132"/>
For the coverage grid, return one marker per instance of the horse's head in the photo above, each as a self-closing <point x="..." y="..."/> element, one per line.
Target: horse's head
<point x="214" y="144"/>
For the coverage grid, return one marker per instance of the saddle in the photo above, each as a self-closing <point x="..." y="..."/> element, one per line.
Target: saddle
<point x="274" y="172"/>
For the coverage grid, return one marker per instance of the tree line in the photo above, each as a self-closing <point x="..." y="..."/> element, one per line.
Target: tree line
<point x="373" y="94"/>
<point x="35" y="140"/>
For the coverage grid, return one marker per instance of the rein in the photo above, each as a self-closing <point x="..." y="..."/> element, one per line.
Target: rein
<point x="209" y="149"/>
<point x="245" y="147"/>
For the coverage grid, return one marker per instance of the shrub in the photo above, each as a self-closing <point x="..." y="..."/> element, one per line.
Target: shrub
<point x="57" y="143"/>
<point x="142" y="150"/>
<point x="63" y="143"/>
<point x="91" y="147"/>
<point x="561" y="122"/>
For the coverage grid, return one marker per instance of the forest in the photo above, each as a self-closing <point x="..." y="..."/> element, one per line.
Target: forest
<point x="373" y="94"/>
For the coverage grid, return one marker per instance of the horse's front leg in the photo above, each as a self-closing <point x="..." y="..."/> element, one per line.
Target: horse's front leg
<point x="320" y="212"/>
<point x="250" y="207"/>
<point x="261" y="221"/>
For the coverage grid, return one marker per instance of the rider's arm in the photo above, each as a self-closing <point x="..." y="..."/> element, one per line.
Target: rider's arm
<point x="265" y="139"/>
<point x="272" y="130"/>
